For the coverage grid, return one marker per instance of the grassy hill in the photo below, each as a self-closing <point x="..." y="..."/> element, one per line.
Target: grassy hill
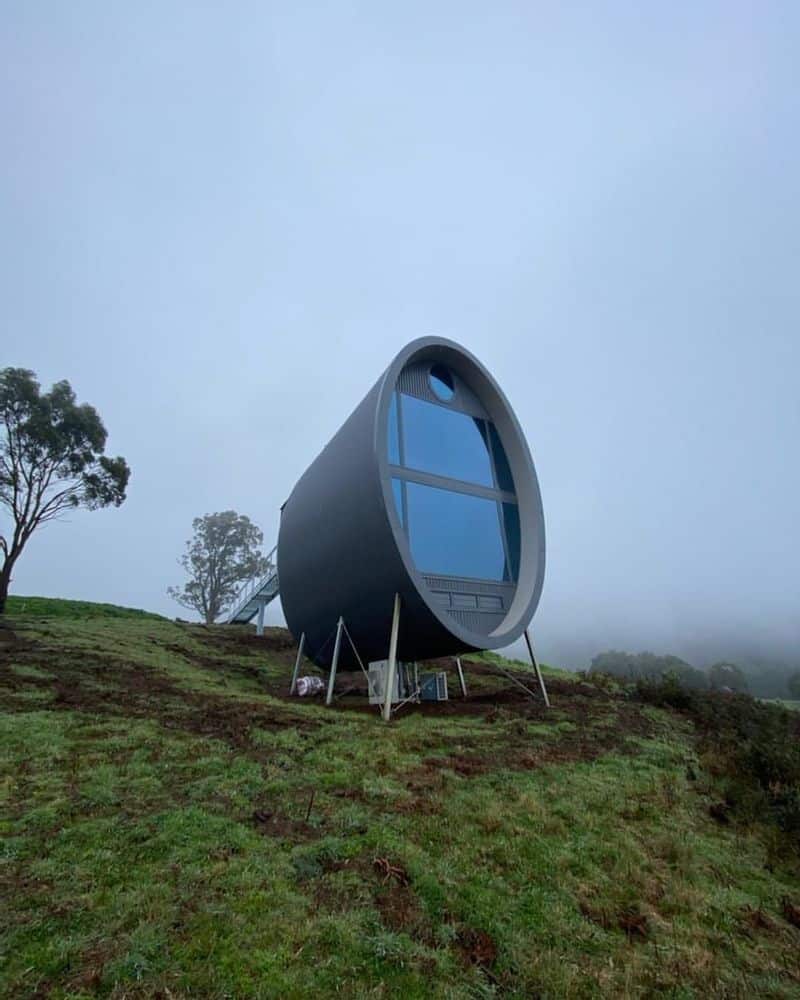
<point x="54" y="607"/>
<point x="174" y="826"/>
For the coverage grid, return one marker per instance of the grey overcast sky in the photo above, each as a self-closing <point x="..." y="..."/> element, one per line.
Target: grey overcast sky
<point x="221" y="221"/>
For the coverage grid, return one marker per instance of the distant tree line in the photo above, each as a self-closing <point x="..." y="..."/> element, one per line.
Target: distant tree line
<point x="767" y="682"/>
<point x="636" y="666"/>
<point x="773" y="680"/>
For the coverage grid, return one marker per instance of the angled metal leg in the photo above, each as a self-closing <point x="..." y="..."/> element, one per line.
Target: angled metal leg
<point x="296" y="671"/>
<point x="387" y="704"/>
<point x="335" y="661"/>
<point x="461" y="680"/>
<point x="536" y="668"/>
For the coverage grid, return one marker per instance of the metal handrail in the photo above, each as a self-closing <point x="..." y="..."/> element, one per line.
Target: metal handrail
<point x="245" y="596"/>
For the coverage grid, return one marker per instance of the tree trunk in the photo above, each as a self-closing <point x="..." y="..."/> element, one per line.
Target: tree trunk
<point x="5" y="580"/>
<point x="212" y="610"/>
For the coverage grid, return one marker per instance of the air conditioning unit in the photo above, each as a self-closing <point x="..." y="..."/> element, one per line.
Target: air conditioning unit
<point x="433" y="687"/>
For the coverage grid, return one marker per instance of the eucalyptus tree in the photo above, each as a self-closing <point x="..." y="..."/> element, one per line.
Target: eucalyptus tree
<point x="51" y="461"/>
<point x="222" y="555"/>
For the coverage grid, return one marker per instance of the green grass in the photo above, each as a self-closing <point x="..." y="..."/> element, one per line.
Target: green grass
<point x="172" y="826"/>
<point x="53" y="607"/>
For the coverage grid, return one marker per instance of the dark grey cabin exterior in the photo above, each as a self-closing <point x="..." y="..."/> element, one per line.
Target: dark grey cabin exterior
<point x="428" y="490"/>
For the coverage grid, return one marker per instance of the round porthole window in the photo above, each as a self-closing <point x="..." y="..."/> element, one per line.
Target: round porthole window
<point x="441" y="381"/>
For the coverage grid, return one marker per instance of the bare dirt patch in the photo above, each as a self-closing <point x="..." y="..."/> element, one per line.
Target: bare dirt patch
<point x="476" y="947"/>
<point x="791" y="911"/>
<point x="629" y="919"/>
<point x="277" y="824"/>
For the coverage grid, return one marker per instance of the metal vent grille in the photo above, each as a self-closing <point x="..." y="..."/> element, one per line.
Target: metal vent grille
<point x="483" y="622"/>
<point x="479" y="605"/>
<point x="463" y="585"/>
<point x="413" y="380"/>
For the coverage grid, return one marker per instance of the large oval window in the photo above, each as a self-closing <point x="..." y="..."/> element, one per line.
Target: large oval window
<point x="454" y="497"/>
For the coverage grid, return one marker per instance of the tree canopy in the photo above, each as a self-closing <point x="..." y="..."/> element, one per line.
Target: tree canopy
<point x="51" y="460"/>
<point x="727" y="675"/>
<point x="223" y="553"/>
<point x="633" y="666"/>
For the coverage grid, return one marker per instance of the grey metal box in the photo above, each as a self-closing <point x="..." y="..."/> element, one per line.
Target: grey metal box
<point x="404" y="681"/>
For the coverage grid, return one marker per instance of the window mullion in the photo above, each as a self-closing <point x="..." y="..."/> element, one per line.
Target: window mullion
<point x="453" y="485"/>
<point x="401" y="445"/>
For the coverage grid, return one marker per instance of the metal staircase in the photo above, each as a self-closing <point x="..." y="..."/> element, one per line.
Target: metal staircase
<point x="253" y="598"/>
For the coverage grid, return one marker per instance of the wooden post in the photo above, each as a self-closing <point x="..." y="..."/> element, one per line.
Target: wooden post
<point x="538" y="671"/>
<point x="334" y="661"/>
<point x="387" y="704"/>
<point x="461" y="680"/>
<point x="296" y="671"/>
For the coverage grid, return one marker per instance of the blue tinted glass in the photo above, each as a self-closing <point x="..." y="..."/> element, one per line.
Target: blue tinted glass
<point x="394" y="436"/>
<point x="397" y="489"/>
<point x="511" y="525"/>
<point x="454" y="534"/>
<point x="445" y="442"/>
<point x="441" y="381"/>
<point x="501" y="466"/>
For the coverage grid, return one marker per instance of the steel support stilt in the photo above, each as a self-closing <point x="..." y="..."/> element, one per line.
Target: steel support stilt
<point x="296" y="671"/>
<point x="461" y="680"/>
<point x="334" y="661"/>
<point x="387" y="704"/>
<point x="539" y="676"/>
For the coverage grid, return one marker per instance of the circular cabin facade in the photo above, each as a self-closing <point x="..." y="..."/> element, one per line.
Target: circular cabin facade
<point x="428" y="490"/>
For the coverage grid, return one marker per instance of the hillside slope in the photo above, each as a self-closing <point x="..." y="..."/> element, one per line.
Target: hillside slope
<point x="175" y="826"/>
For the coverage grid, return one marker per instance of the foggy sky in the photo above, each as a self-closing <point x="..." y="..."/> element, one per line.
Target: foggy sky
<point x="221" y="222"/>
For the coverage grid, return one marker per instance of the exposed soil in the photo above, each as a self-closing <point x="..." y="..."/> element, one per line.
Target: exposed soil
<point x="400" y="911"/>
<point x="275" y="824"/>
<point x="757" y="919"/>
<point x="791" y="911"/>
<point x="630" y="920"/>
<point x="477" y="947"/>
<point x="8" y="638"/>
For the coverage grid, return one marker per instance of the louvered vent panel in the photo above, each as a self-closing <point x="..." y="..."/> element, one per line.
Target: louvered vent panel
<point x="466" y="586"/>
<point x="482" y="622"/>
<point x="414" y="381"/>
